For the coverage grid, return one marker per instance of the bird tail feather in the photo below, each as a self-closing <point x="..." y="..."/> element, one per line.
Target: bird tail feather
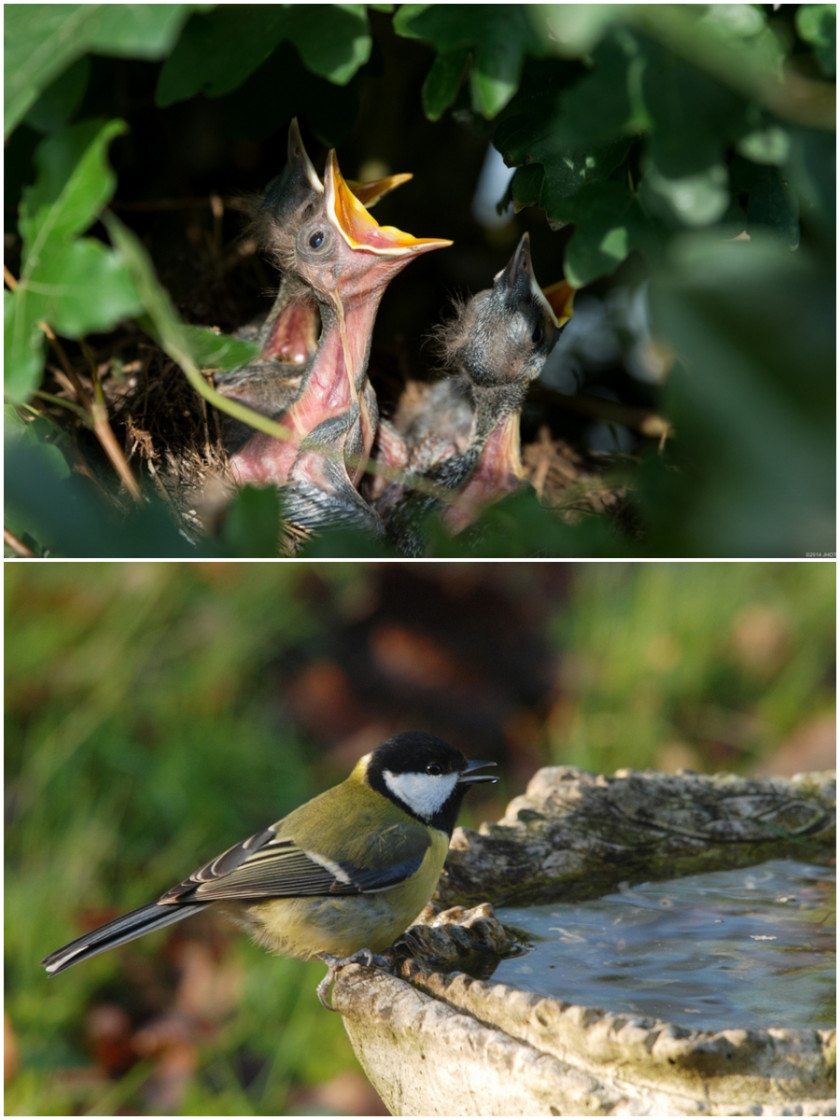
<point x="117" y="932"/>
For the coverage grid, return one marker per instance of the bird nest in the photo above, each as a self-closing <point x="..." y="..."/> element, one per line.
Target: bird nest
<point x="171" y="439"/>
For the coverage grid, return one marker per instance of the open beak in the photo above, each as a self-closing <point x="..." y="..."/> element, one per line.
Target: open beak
<point x="369" y="193"/>
<point x="560" y="298"/>
<point x="359" y="229"/>
<point x="467" y="775"/>
<point x="299" y="177"/>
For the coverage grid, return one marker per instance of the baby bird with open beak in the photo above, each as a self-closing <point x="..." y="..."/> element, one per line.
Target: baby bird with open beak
<point x="339" y="260"/>
<point x="463" y="442"/>
<point x="289" y="335"/>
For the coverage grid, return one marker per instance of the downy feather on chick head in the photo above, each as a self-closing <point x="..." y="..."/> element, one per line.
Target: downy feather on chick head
<point x="502" y="335"/>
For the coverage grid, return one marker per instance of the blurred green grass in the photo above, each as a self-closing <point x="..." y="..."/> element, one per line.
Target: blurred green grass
<point x="707" y="665"/>
<point x="144" y="733"/>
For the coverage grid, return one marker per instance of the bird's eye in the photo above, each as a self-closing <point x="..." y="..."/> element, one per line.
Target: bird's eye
<point x="434" y="768"/>
<point x="317" y="239"/>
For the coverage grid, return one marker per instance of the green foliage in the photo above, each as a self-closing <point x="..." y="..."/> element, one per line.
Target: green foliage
<point x="817" y="24"/>
<point x="217" y="52"/>
<point x="742" y="317"/>
<point x="641" y="131"/>
<point x="73" y="284"/>
<point x="496" y="39"/>
<point x="42" y="41"/>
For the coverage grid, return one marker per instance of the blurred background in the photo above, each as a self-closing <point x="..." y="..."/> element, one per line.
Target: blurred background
<point x="157" y="713"/>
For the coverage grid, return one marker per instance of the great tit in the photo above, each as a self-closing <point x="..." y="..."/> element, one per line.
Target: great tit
<point x="340" y="877"/>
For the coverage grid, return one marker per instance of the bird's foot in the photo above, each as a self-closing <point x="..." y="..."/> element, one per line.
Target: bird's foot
<point x="362" y="956"/>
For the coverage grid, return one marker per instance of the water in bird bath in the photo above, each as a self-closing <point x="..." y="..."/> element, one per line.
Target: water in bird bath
<point x="747" y="948"/>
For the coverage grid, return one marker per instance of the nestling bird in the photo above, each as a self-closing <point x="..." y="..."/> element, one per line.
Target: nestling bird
<point x="343" y="875"/>
<point x="463" y="441"/>
<point x="346" y="260"/>
<point x="289" y="334"/>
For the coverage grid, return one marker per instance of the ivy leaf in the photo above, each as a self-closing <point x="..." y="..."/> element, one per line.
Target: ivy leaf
<point x="218" y="51"/>
<point x="42" y="40"/>
<point x="496" y="37"/>
<point x="443" y="82"/>
<point x="609" y="224"/>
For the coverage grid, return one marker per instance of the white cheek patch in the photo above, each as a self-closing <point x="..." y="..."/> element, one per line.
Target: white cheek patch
<point x="424" y="794"/>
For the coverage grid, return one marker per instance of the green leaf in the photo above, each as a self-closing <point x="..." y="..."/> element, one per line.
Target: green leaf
<point x="567" y="173"/>
<point x="333" y="47"/>
<point x="275" y="92"/>
<point x="527" y="184"/>
<point x="575" y="30"/>
<point x="212" y="350"/>
<point x="497" y="67"/>
<point x="811" y="170"/>
<point x="770" y="144"/>
<point x="24" y="349"/>
<point x="75" y="286"/>
<point x="692" y="116"/>
<point x="609" y="224"/>
<point x="218" y="51"/>
<point x="252" y="523"/>
<point x="695" y="199"/>
<point x="42" y="40"/>
<point x="60" y="100"/>
<point x="33" y="433"/>
<point x="78" y="288"/>
<point x="443" y="82"/>
<point x="753" y="400"/>
<point x="74" y="183"/>
<point x="64" y="513"/>
<point x="498" y="37"/>
<point x="817" y="25"/>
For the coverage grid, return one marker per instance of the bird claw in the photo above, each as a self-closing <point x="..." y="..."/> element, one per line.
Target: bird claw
<point x="362" y="956"/>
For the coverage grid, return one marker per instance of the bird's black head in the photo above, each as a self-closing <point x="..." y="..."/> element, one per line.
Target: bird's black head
<point x="424" y="775"/>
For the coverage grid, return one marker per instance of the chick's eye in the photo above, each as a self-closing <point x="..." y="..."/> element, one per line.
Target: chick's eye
<point x="434" y="768"/>
<point x="316" y="240"/>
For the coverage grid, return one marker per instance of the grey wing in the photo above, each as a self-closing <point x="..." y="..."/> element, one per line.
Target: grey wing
<point x="264" y="866"/>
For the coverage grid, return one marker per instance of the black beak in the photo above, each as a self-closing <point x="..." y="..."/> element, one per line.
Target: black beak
<point x="518" y="274"/>
<point x="297" y="182"/>
<point x="467" y="777"/>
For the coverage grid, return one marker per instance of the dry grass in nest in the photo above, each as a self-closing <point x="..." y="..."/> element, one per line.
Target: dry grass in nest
<point x="171" y="440"/>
